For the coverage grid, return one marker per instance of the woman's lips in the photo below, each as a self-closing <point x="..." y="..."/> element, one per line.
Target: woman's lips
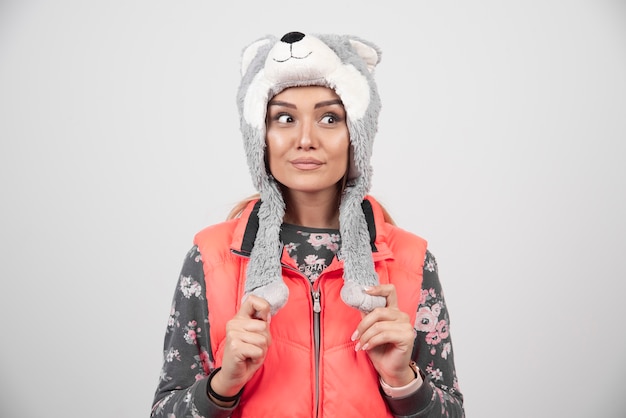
<point x="306" y="164"/>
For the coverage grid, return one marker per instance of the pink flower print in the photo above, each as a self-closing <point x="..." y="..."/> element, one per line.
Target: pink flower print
<point x="171" y="355"/>
<point x="190" y="287"/>
<point x="447" y="349"/>
<point x="190" y="337"/>
<point x="442" y="329"/>
<point x="317" y="240"/>
<point x="207" y="364"/>
<point x="429" y="367"/>
<point x="291" y="247"/>
<point x="191" y="329"/>
<point x="437" y="374"/>
<point x="425" y="320"/>
<point x="430" y="265"/>
<point x="313" y="260"/>
<point x="313" y="266"/>
<point x="438" y="334"/>
<point x="433" y="338"/>
<point x="172" y="320"/>
<point x="455" y="384"/>
<point x="436" y="309"/>
<point x="203" y="361"/>
<point x="423" y="296"/>
<point x="199" y="376"/>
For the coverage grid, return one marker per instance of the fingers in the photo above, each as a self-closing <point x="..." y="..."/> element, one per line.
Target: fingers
<point x="248" y="346"/>
<point x="247" y="341"/>
<point x="398" y="333"/>
<point x="386" y="290"/>
<point x="387" y="325"/>
<point x="249" y="328"/>
<point x="254" y="307"/>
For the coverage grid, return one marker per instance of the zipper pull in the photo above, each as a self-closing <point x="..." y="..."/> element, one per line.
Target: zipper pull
<point x="317" y="308"/>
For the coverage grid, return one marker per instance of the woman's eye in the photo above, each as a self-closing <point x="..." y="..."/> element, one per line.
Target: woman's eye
<point x="283" y="118"/>
<point x="329" y="119"/>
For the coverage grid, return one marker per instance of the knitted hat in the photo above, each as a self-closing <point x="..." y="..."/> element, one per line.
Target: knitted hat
<point x="344" y="64"/>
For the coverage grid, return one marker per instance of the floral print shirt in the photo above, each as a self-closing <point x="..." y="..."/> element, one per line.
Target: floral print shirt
<point x="187" y="358"/>
<point x="311" y="248"/>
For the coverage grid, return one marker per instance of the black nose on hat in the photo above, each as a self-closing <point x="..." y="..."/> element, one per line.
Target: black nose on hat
<point x="292" y="37"/>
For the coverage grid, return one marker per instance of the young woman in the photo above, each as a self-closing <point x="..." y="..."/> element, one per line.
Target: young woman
<point x="309" y="302"/>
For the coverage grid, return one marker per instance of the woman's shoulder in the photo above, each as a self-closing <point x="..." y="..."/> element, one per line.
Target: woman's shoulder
<point x="215" y="242"/>
<point x="216" y="233"/>
<point x="400" y="239"/>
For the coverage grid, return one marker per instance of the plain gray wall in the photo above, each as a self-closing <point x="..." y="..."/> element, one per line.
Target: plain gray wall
<point x="502" y="141"/>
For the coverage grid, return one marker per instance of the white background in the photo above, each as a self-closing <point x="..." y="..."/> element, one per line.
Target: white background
<point x="502" y="141"/>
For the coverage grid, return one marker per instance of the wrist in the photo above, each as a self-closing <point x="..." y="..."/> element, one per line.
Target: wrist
<point x="398" y="391"/>
<point x="218" y="393"/>
<point x="403" y="378"/>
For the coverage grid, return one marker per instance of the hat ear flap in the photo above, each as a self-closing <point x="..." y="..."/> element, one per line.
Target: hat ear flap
<point x="368" y="53"/>
<point x="250" y="52"/>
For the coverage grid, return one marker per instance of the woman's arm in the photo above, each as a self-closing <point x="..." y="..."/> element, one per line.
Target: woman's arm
<point x="187" y="357"/>
<point x="439" y="394"/>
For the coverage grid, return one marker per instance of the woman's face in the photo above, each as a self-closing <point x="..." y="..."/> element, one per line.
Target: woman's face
<point x="307" y="139"/>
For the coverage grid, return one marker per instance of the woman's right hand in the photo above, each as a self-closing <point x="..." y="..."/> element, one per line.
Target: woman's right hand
<point x="247" y="340"/>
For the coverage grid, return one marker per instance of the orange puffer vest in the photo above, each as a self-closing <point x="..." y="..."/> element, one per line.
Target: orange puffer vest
<point x="292" y="382"/>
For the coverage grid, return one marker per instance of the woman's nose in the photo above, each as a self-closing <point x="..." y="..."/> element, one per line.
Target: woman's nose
<point x="307" y="138"/>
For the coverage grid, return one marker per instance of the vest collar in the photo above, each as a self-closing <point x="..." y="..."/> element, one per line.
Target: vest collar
<point x="248" y="225"/>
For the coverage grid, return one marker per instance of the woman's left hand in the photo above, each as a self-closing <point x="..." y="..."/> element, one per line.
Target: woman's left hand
<point x="387" y="336"/>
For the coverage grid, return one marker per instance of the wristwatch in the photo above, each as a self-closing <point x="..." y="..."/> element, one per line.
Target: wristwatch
<point x="416" y="370"/>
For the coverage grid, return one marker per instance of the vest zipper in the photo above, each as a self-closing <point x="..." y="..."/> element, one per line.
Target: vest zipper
<point x="317" y="308"/>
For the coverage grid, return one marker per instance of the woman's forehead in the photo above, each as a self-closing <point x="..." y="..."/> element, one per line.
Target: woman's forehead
<point x="306" y="94"/>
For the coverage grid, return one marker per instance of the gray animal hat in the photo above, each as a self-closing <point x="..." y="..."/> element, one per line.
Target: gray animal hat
<point x="345" y="64"/>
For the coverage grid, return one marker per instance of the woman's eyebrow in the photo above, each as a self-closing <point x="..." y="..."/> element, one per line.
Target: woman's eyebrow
<point x="281" y="103"/>
<point x="317" y="105"/>
<point x="329" y="103"/>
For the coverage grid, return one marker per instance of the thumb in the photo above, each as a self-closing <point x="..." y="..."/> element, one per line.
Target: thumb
<point x="254" y="307"/>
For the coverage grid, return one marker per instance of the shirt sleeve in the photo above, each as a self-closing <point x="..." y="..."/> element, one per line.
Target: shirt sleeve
<point x="187" y="358"/>
<point x="439" y="394"/>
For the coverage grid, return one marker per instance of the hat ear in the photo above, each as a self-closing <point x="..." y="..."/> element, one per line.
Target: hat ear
<point x="368" y="53"/>
<point x="250" y="52"/>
